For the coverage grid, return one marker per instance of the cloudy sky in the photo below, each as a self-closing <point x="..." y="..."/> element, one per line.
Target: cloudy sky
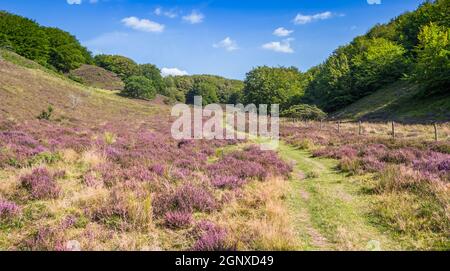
<point x="224" y="37"/>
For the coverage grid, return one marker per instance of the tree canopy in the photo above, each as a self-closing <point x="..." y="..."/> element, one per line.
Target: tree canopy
<point x="50" y="47"/>
<point x="139" y="87"/>
<point x="268" y="85"/>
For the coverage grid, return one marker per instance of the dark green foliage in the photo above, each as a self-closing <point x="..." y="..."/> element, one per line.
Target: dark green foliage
<point x="432" y="70"/>
<point x="25" y="36"/>
<point x="66" y="53"/>
<point x="225" y="90"/>
<point x="46" y="114"/>
<point x="47" y="46"/>
<point x="206" y="90"/>
<point x="304" y="112"/>
<point x="406" y="47"/>
<point x="139" y="87"/>
<point x="267" y="85"/>
<point x="120" y="65"/>
<point x="152" y="72"/>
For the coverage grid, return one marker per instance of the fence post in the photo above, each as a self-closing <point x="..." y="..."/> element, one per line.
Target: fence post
<point x="435" y="132"/>
<point x="393" y="129"/>
<point x="360" y="128"/>
<point x="339" y="126"/>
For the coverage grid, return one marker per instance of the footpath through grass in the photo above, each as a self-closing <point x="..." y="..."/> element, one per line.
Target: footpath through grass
<point x="329" y="208"/>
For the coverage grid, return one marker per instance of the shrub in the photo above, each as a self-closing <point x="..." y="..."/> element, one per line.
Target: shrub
<point x="211" y="238"/>
<point x="8" y="209"/>
<point x="122" y="66"/>
<point x="41" y="184"/>
<point x="139" y="87"/>
<point x="352" y="166"/>
<point x="186" y="198"/>
<point x="46" y="114"/>
<point x="178" y="220"/>
<point x="304" y="112"/>
<point x="229" y="182"/>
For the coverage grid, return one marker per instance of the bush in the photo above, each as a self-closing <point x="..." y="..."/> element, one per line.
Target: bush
<point x="46" y="115"/>
<point x="211" y="238"/>
<point x="120" y="65"/>
<point x="8" y="209"/>
<point x="178" y="220"/>
<point x="41" y="184"/>
<point x="139" y="87"/>
<point x="304" y="112"/>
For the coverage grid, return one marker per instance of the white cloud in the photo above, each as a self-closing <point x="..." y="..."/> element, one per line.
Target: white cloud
<point x="279" y="47"/>
<point x="282" y="32"/>
<point x="305" y="19"/>
<point x="143" y="24"/>
<point x="227" y="43"/>
<point x="168" y="13"/>
<point x="374" y="2"/>
<point x="173" y="71"/>
<point x="194" y="18"/>
<point x="79" y="2"/>
<point x="74" y="2"/>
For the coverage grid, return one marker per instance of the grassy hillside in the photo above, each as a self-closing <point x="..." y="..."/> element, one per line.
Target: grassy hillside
<point x="97" y="77"/>
<point x="399" y="102"/>
<point x="103" y="173"/>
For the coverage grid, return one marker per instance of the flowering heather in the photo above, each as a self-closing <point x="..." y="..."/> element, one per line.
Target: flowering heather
<point x="434" y="163"/>
<point x="138" y="173"/>
<point x="401" y="156"/>
<point x="41" y="184"/>
<point x="158" y="169"/>
<point x="210" y="237"/>
<point x="229" y="182"/>
<point x="8" y="209"/>
<point x="178" y="220"/>
<point x="186" y="198"/>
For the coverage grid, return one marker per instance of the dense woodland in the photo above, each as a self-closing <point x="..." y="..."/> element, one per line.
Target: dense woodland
<point x="414" y="47"/>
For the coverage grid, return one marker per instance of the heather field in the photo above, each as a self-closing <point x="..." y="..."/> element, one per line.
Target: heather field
<point x="118" y="181"/>
<point x="406" y="178"/>
<point x="199" y="126"/>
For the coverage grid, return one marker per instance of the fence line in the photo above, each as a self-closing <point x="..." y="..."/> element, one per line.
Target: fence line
<point x="394" y="131"/>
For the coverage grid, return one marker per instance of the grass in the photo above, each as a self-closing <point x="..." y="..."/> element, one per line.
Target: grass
<point x="336" y="211"/>
<point x="398" y="102"/>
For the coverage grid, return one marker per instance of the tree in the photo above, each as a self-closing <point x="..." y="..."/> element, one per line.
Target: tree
<point x="378" y="63"/>
<point x="304" y="112"/>
<point x="152" y="72"/>
<point x="120" y="65"/>
<point x="205" y="89"/>
<point x="139" y="87"/>
<point x="267" y="85"/>
<point x="25" y="37"/>
<point x="66" y="53"/>
<point x="432" y="70"/>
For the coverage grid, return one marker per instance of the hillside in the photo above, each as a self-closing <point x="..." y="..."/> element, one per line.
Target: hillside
<point x="97" y="77"/>
<point x="399" y="102"/>
<point x="102" y="172"/>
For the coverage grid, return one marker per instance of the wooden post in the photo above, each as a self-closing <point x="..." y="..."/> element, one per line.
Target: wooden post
<point x="360" y="128"/>
<point x="436" y="138"/>
<point x="339" y="126"/>
<point x="393" y="129"/>
<point x="321" y="124"/>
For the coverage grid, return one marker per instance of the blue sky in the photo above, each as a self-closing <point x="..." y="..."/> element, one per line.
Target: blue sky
<point x="223" y="37"/>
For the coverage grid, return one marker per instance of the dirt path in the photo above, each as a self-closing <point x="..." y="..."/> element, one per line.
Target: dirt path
<point x="328" y="208"/>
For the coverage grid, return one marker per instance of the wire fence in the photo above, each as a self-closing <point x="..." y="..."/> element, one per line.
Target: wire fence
<point x="433" y="132"/>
